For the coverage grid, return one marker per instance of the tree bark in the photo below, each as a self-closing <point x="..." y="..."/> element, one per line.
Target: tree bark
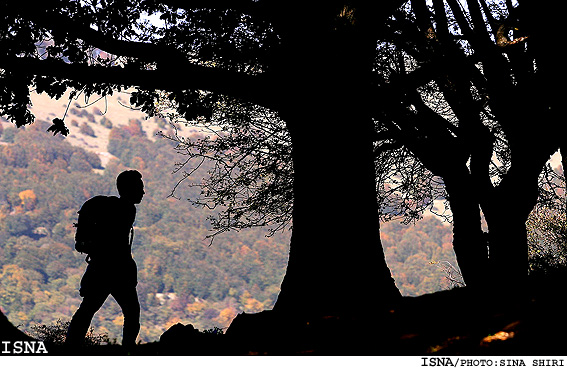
<point x="336" y="259"/>
<point x="469" y="242"/>
<point x="506" y="211"/>
<point x="506" y="218"/>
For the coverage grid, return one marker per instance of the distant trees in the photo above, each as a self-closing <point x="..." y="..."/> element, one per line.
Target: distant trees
<point x="414" y="250"/>
<point x="29" y="203"/>
<point x="29" y="199"/>
<point x="87" y="130"/>
<point x="106" y="123"/>
<point x="119" y="139"/>
<point x="547" y="225"/>
<point x="40" y="271"/>
<point x="547" y="241"/>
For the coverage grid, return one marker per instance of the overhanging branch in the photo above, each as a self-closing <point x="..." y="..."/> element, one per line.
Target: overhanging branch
<point x="144" y="51"/>
<point x="174" y="72"/>
<point x="243" y="6"/>
<point x="190" y="76"/>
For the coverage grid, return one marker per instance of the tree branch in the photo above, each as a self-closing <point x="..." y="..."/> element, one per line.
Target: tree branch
<point x="61" y="24"/>
<point x="169" y="79"/>
<point x="248" y="7"/>
<point x="175" y="71"/>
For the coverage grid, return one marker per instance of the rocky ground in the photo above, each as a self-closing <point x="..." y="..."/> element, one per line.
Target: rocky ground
<point x="456" y="322"/>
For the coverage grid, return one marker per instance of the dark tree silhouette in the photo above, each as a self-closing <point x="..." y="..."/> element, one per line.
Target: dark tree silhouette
<point x="459" y="132"/>
<point x="490" y="64"/>
<point x="312" y="64"/>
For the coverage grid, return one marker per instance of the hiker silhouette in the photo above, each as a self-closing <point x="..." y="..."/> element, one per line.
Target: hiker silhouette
<point x="105" y="232"/>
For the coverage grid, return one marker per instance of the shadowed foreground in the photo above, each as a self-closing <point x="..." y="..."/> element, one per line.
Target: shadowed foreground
<point x="457" y="322"/>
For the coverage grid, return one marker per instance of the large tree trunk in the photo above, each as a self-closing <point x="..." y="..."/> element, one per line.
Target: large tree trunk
<point x="336" y="262"/>
<point x="469" y="242"/>
<point x="506" y="218"/>
<point x="506" y="212"/>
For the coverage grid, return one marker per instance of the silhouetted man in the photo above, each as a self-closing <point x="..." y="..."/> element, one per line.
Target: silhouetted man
<point x="104" y="232"/>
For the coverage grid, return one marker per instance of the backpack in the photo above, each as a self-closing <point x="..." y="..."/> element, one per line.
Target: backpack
<point x="93" y="223"/>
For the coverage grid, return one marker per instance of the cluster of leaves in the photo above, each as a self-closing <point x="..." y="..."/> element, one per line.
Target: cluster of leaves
<point x="225" y="38"/>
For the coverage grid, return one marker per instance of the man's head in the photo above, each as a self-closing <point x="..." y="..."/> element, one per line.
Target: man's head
<point x="130" y="186"/>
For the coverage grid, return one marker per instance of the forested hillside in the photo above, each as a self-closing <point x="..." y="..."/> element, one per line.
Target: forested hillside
<point x="182" y="278"/>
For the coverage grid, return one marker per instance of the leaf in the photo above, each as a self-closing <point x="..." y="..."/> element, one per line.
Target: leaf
<point x="58" y="127"/>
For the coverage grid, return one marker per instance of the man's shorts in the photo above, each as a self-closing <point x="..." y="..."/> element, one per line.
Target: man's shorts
<point x="105" y="277"/>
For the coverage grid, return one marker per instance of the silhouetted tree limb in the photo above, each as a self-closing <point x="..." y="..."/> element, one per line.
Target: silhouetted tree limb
<point x="201" y="77"/>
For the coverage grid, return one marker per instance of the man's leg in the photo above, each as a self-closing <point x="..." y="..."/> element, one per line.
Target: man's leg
<point x="127" y="298"/>
<point x="81" y="321"/>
